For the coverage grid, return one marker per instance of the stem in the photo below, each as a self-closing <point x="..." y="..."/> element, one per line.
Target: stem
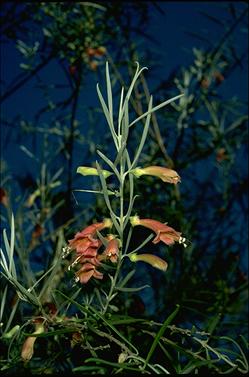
<point x="121" y="233"/>
<point x="72" y="135"/>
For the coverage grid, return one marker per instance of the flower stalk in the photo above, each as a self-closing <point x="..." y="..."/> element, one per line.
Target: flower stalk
<point x="90" y="241"/>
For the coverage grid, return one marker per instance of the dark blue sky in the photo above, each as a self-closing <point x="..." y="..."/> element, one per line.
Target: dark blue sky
<point x="173" y="28"/>
<point x="171" y="31"/>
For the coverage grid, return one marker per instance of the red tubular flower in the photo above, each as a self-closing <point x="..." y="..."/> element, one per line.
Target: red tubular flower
<point x="3" y="197"/>
<point x="86" y="246"/>
<point x="86" y="238"/>
<point x="28" y="345"/>
<point x="165" y="174"/>
<point x="87" y="271"/>
<point x="111" y="250"/>
<point x="91" y="230"/>
<point x="82" y="243"/>
<point x="163" y="232"/>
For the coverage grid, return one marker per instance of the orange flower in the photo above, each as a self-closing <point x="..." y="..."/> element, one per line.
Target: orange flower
<point x="3" y="197"/>
<point x="28" y="345"/>
<point x="218" y="77"/>
<point x="165" y="174"/>
<point x="153" y="260"/>
<point x="92" y="229"/>
<point x="82" y="243"/>
<point x="38" y="230"/>
<point x="87" y="271"/>
<point x="221" y="155"/>
<point x="86" y="246"/>
<point x="111" y="250"/>
<point x="90" y="51"/>
<point x="84" y="240"/>
<point x="163" y="232"/>
<point x="100" y="51"/>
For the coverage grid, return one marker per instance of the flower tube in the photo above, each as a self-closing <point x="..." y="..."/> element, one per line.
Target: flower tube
<point x="165" y="174"/>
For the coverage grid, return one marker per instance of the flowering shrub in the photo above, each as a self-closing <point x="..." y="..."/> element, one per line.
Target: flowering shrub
<point x="96" y="337"/>
<point x="91" y="247"/>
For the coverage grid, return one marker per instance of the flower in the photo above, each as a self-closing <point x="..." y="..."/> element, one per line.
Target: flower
<point x="86" y="170"/>
<point x="221" y="155"/>
<point x="165" y="174"/>
<point x="81" y="243"/>
<point x="28" y="345"/>
<point x="218" y="77"/>
<point x="86" y="246"/>
<point x="87" y="271"/>
<point x="85" y="239"/>
<point x="111" y="250"/>
<point x="98" y="52"/>
<point x="153" y="260"/>
<point x="163" y="232"/>
<point x="3" y="197"/>
<point x="90" y="51"/>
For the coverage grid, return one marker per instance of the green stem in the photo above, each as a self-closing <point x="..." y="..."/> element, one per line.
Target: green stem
<point x="121" y="233"/>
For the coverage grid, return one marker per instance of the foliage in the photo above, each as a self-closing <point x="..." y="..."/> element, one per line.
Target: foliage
<point x="192" y="317"/>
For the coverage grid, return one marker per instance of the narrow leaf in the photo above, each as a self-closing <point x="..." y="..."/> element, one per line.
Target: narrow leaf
<point x="126" y="279"/>
<point x="109" y="93"/>
<point x="106" y="197"/>
<point x="156" y="108"/>
<point x="131" y="289"/>
<point x="110" y="163"/>
<point x="144" y="135"/>
<point x="161" y="332"/>
<point x="107" y="115"/>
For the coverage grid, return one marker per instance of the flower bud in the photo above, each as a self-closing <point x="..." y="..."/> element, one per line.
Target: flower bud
<point x="151" y="259"/>
<point x="122" y="357"/>
<point x="86" y="170"/>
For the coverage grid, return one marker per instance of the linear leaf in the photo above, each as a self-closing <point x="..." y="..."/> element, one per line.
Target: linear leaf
<point x="12" y="246"/>
<point x="144" y="243"/>
<point x="110" y="163"/>
<point x="156" y="108"/>
<point x="109" y="93"/>
<point x="103" y="361"/>
<point x="113" y="328"/>
<point x="126" y="278"/>
<point x="3" y="300"/>
<point x="96" y="191"/>
<point x="131" y="189"/>
<point x="107" y="115"/>
<point x="106" y="197"/>
<point x="120" y="110"/>
<point x="161" y="332"/>
<point x="3" y="262"/>
<point x="131" y="289"/>
<point x="137" y="74"/>
<point x="144" y="134"/>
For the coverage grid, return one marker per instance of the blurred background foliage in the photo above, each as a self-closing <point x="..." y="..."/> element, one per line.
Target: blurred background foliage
<point x="59" y="52"/>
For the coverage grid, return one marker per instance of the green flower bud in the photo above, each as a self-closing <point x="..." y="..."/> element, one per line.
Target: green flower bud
<point x="86" y="170"/>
